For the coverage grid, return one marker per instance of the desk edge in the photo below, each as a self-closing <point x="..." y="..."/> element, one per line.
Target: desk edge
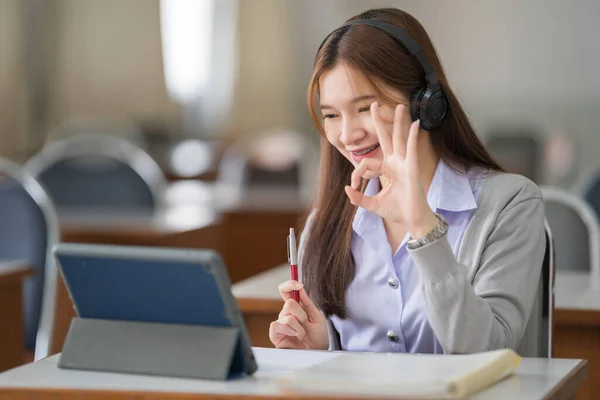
<point x="570" y="383"/>
<point x="97" y="394"/>
<point x="258" y="304"/>
<point x="18" y="272"/>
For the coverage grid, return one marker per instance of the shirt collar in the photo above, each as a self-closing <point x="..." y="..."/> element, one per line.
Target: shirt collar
<point x="450" y="190"/>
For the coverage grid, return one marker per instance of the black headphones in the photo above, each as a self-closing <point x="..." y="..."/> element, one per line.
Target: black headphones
<point x="429" y="103"/>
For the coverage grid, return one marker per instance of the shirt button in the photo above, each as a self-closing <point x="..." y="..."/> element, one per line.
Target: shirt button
<point x="393" y="282"/>
<point x="393" y="337"/>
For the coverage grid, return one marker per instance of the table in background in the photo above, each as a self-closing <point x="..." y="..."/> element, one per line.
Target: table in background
<point x="249" y="229"/>
<point x="12" y="335"/>
<point x="535" y="379"/>
<point x="184" y="209"/>
<point x="577" y="325"/>
<point x="260" y="302"/>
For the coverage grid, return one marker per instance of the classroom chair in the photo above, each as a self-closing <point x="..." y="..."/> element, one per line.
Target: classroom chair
<point x="95" y="172"/>
<point x="589" y="189"/>
<point x="576" y="230"/>
<point x="537" y="339"/>
<point x="28" y="231"/>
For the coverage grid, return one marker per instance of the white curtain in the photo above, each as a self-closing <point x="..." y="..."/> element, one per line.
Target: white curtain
<point x="199" y="55"/>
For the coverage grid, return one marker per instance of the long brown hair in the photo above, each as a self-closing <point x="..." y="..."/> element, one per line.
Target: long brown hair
<point x="327" y="263"/>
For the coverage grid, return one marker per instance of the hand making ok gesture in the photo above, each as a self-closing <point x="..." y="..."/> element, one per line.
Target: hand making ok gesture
<point x="402" y="198"/>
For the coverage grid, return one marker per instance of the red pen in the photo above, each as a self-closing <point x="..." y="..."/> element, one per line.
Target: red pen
<point x="293" y="260"/>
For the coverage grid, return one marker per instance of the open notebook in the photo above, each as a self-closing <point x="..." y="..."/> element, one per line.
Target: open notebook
<point x="403" y="375"/>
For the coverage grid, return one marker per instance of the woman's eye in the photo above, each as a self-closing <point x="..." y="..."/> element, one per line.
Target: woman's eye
<point x="364" y="109"/>
<point x="326" y="116"/>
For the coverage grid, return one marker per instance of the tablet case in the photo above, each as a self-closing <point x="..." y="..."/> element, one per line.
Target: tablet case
<point x="120" y="328"/>
<point x="186" y="351"/>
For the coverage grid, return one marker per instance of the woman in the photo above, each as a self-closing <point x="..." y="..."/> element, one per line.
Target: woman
<point x="418" y="241"/>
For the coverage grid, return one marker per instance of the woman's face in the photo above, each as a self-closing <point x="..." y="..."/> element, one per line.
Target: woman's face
<point x="345" y="97"/>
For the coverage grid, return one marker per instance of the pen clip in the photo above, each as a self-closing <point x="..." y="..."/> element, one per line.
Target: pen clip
<point x="288" y="249"/>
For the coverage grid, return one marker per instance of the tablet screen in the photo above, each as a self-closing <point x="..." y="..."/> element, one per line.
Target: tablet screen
<point x="165" y="291"/>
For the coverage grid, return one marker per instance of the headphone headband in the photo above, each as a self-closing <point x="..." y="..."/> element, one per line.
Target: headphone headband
<point x="427" y="104"/>
<point x="401" y="36"/>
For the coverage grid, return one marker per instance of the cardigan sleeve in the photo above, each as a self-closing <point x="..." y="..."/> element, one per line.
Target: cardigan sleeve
<point x="491" y="312"/>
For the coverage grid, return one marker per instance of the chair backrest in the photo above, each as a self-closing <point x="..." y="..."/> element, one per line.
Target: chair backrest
<point x="537" y="339"/>
<point x="98" y="172"/>
<point x="28" y="231"/>
<point x="576" y="230"/>
<point x="589" y="189"/>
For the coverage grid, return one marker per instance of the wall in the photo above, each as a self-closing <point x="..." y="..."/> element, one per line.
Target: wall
<point x="265" y="84"/>
<point x="12" y="90"/>
<point x="515" y="63"/>
<point x="92" y="58"/>
<point x="512" y="63"/>
<point x="109" y="61"/>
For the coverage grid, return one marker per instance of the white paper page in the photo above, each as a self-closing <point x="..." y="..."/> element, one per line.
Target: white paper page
<point x="281" y="362"/>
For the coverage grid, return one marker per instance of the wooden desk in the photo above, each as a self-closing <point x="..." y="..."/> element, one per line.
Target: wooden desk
<point x="577" y="325"/>
<point x="140" y="229"/>
<point x="245" y="228"/>
<point x="183" y="207"/>
<point x="12" y="339"/>
<point x="255" y="225"/>
<point x="535" y="379"/>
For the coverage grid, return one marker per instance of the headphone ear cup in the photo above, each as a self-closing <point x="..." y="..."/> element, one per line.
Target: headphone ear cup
<point x="429" y="106"/>
<point x="435" y="108"/>
<point x="415" y="104"/>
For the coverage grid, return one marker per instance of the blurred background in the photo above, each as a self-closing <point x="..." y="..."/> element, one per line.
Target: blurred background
<point x="220" y="71"/>
<point x="183" y="123"/>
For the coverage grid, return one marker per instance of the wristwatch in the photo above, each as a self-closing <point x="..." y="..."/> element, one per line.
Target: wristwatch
<point x="440" y="230"/>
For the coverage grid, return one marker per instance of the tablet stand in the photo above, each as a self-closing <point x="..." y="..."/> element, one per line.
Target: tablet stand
<point x="186" y="351"/>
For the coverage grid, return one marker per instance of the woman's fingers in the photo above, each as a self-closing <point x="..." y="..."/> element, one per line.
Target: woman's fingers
<point x="291" y="322"/>
<point x="280" y="329"/>
<point x="312" y="311"/>
<point x="385" y="139"/>
<point x="287" y="287"/>
<point x="361" y="200"/>
<point x="402" y="123"/>
<point x="286" y="342"/>
<point x="291" y="307"/>
<point x="411" y="145"/>
<point x="367" y="168"/>
<point x="283" y="336"/>
<point x="306" y="304"/>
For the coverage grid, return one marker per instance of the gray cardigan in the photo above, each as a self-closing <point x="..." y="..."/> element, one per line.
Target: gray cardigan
<point x="482" y="299"/>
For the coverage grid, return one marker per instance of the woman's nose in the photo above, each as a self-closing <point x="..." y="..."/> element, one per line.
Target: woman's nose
<point x="351" y="132"/>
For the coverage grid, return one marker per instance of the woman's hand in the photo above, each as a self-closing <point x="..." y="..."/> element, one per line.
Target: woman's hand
<point x="300" y="325"/>
<point x="402" y="198"/>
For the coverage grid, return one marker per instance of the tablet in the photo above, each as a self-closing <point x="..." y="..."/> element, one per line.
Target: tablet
<point x="151" y="284"/>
